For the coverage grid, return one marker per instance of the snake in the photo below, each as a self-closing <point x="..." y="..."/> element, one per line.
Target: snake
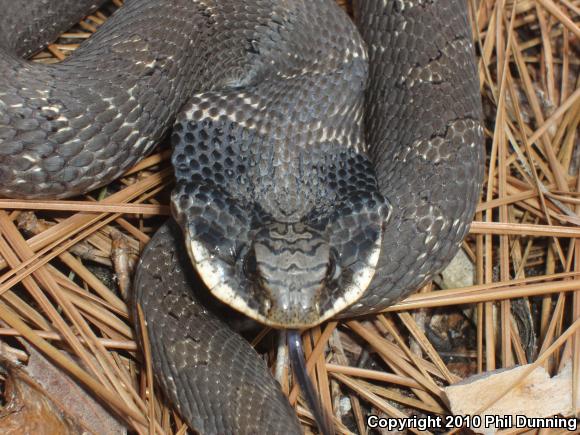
<point x="324" y="167"/>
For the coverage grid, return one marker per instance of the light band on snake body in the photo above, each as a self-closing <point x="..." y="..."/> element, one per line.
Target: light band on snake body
<point x="320" y="171"/>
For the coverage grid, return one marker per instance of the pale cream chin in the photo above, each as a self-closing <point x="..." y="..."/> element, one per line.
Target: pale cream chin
<point x="213" y="273"/>
<point x="360" y="281"/>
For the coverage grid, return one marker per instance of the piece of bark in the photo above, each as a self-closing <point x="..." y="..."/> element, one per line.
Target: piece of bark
<point x="71" y="396"/>
<point x="42" y="392"/>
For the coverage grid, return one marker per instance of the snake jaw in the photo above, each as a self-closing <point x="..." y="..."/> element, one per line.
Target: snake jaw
<point x="361" y="278"/>
<point x="217" y="273"/>
<point x="280" y="298"/>
<point x="214" y="273"/>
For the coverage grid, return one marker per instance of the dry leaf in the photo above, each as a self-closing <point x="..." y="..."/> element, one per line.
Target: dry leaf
<point x="28" y="409"/>
<point x="537" y="396"/>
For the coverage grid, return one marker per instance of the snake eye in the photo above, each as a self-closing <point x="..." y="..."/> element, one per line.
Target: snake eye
<point x="334" y="269"/>
<point x="250" y="266"/>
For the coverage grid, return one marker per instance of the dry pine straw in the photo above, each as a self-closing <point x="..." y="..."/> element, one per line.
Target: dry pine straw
<point x="523" y="243"/>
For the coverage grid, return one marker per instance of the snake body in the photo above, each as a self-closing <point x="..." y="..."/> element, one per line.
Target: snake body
<point x="321" y="170"/>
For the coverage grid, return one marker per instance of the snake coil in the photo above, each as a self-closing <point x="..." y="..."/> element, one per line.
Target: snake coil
<point x="323" y="169"/>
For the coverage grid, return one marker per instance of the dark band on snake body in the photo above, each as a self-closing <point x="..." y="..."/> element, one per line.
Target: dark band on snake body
<point x="273" y="160"/>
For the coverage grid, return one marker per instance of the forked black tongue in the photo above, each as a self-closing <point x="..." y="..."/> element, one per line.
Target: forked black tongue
<point x="323" y="420"/>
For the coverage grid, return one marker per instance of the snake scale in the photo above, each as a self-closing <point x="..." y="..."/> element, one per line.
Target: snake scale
<point x="324" y="168"/>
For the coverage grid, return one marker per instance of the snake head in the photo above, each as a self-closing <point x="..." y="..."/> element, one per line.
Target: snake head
<point x="288" y="257"/>
<point x="287" y="270"/>
<point x="288" y="275"/>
